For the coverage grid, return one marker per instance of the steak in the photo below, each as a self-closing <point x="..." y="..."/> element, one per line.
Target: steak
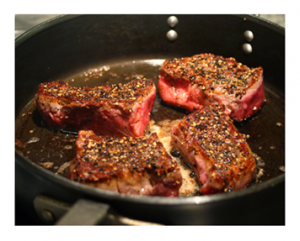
<point x="208" y="140"/>
<point x="118" y="109"/>
<point x="130" y="165"/>
<point x="207" y="79"/>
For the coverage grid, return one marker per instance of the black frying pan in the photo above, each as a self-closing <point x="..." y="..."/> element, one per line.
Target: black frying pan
<point x="68" y="45"/>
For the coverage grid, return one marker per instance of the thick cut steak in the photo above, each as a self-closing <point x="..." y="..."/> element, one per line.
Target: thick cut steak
<point x="137" y="166"/>
<point x="209" y="141"/>
<point x="118" y="109"/>
<point x="206" y="79"/>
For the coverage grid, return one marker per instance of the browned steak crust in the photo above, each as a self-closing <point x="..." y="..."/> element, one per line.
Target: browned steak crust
<point x="207" y="79"/>
<point x="118" y="109"/>
<point x="220" y="154"/>
<point x="139" y="166"/>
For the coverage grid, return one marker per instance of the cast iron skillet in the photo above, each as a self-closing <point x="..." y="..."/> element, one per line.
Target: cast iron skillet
<point x="71" y="44"/>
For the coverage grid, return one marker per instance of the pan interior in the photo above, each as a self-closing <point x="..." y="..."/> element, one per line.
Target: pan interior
<point x="54" y="149"/>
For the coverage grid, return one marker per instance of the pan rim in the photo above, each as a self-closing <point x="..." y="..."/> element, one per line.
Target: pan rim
<point x="45" y="174"/>
<point x="51" y="177"/>
<point x="62" y="18"/>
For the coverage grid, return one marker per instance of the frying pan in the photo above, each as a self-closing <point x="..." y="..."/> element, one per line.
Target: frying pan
<point x="69" y="45"/>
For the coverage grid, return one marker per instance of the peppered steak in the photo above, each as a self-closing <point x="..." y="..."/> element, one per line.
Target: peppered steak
<point x="118" y="109"/>
<point x="207" y="79"/>
<point x="137" y="166"/>
<point x="209" y="141"/>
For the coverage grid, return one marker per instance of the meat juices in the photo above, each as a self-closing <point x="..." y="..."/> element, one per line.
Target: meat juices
<point x="207" y="79"/>
<point x="118" y="109"/>
<point x="137" y="166"/>
<point x="209" y="141"/>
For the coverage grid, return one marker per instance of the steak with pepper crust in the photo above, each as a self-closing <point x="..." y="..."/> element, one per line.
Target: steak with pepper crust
<point x="209" y="141"/>
<point x="137" y="166"/>
<point x="118" y="109"/>
<point x="207" y="79"/>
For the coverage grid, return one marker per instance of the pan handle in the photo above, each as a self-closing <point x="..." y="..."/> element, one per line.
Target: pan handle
<point x="84" y="212"/>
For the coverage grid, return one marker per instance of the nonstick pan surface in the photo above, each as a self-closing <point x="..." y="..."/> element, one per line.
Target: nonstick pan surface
<point x="37" y="146"/>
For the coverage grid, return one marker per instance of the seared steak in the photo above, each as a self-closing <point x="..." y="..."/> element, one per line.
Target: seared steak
<point x="118" y="109"/>
<point x="206" y="79"/>
<point x="209" y="141"/>
<point x="138" y="166"/>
